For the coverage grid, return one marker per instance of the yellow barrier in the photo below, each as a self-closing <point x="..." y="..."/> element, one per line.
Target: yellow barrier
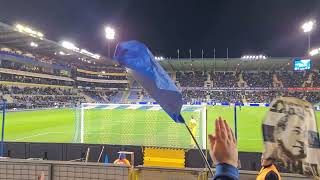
<point x="164" y="157"/>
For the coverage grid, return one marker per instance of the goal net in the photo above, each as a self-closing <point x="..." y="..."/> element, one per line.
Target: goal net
<point x="135" y="124"/>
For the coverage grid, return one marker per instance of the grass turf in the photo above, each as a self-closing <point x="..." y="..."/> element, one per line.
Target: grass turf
<point x="130" y="127"/>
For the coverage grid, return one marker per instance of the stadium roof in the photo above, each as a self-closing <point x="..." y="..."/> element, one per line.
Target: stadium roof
<point x="10" y="37"/>
<point x="231" y="64"/>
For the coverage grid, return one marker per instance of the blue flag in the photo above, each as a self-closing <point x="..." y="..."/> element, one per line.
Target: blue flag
<point x="151" y="76"/>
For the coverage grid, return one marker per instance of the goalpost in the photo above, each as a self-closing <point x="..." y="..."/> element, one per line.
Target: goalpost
<point x="137" y="124"/>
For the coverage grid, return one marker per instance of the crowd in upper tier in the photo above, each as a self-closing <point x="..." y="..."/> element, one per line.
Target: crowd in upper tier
<point x="245" y="96"/>
<point x="286" y="79"/>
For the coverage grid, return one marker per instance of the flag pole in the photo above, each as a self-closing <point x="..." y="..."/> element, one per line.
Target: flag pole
<point x="235" y="121"/>
<point x="201" y="153"/>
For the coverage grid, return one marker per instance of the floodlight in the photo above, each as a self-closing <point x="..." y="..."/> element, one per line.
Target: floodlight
<point x="33" y="44"/>
<point x="110" y="33"/>
<point x="62" y="53"/>
<point x="314" y="52"/>
<point x="69" y="45"/>
<point x="96" y="56"/>
<point x="84" y="51"/>
<point x="40" y="34"/>
<point x="28" y="30"/>
<point x="308" y="26"/>
<point x="19" y="27"/>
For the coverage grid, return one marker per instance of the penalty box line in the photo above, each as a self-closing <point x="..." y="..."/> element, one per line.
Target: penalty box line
<point x="35" y="135"/>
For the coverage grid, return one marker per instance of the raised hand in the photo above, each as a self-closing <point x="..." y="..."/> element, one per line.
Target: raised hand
<point x="223" y="145"/>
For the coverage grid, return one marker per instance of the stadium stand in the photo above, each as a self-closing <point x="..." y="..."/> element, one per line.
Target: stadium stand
<point x="316" y="82"/>
<point x="33" y="79"/>
<point x="290" y="79"/>
<point x="99" y="96"/>
<point x="191" y="79"/>
<point x="224" y="79"/>
<point x="261" y="79"/>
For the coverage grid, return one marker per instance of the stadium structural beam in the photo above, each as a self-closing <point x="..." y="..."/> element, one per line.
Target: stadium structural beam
<point x="4" y="106"/>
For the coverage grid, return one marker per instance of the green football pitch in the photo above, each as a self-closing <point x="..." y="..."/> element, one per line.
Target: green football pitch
<point x="130" y="127"/>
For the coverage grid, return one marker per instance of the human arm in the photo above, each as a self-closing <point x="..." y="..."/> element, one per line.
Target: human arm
<point x="223" y="150"/>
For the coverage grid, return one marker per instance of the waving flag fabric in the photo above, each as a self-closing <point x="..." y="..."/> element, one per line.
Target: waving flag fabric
<point x="147" y="71"/>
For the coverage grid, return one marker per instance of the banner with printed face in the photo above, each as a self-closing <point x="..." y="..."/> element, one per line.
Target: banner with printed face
<point x="291" y="136"/>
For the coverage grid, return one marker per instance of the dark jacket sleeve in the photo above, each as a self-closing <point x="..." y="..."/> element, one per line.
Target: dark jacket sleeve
<point x="226" y="172"/>
<point x="271" y="176"/>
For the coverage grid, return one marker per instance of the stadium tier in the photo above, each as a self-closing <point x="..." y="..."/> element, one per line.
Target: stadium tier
<point x="43" y="78"/>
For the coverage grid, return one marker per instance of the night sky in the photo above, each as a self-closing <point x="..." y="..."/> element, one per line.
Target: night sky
<point x="244" y="26"/>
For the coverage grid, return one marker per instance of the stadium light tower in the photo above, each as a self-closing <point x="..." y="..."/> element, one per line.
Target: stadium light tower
<point x="307" y="28"/>
<point x="110" y="34"/>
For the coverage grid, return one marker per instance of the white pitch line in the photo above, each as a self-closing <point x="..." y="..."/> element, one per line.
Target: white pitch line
<point x="35" y="135"/>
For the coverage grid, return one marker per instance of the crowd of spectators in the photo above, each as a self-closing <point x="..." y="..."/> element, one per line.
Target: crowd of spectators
<point x="212" y="96"/>
<point x="261" y="96"/>
<point x="246" y="96"/>
<point x="35" y="80"/>
<point x="100" y="96"/>
<point x="261" y="79"/>
<point x="30" y="68"/>
<point x="226" y="96"/>
<point x="191" y="79"/>
<point x="36" y="57"/>
<point x="192" y="95"/>
<point x="290" y="79"/>
<point x="36" y="97"/>
<point x="316" y="82"/>
<point x="36" y="90"/>
<point x="252" y="79"/>
<point x="32" y="102"/>
<point x="224" y="79"/>
<point x="40" y="97"/>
